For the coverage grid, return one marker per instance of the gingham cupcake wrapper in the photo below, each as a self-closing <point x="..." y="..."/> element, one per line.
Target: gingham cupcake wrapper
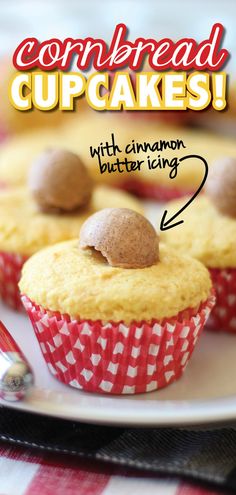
<point x="10" y="273"/>
<point x="113" y="357"/>
<point x="223" y="316"/>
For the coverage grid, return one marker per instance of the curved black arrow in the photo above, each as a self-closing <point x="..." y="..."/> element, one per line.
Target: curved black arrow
<point x="167" y="224"/>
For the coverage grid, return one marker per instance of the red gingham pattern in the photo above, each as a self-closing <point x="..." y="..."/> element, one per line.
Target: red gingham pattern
<point x="30" y="472"/>
<point x="113" y="357"/>
<point x="150" y="190"/>
<point x="10" y="272"/>
<point x="223" y="316"/>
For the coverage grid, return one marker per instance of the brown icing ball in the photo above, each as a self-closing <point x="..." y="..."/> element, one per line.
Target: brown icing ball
<point x="59" y="181"/>
<point x="221" y="185"/>
<point x="125" y="238"/>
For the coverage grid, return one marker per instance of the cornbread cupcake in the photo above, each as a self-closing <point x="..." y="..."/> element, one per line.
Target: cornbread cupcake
<point x="160" y="183"/>
<point x="209" y="235"/>
<point x="59" y="198"/>
<point x="168" y="182"/>
<point x="114" y="312"/>
<point x="77" y="135"/>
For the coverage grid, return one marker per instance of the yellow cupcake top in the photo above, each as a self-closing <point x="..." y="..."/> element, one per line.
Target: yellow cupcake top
<point x="206" y="234"/>
<point x="24" y="229"/>
<point x="82" y="284"/>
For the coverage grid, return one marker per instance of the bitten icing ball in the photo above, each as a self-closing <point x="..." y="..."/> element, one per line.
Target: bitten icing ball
<point x="59" y="181"/>
<point x="125" y="238"/>
<point x="221" y="185"/>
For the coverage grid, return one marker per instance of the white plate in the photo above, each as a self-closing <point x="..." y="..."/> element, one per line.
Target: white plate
<point x="205" y="394"/>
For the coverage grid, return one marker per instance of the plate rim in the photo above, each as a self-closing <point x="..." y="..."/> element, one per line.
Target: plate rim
<point x="187" y="413"/>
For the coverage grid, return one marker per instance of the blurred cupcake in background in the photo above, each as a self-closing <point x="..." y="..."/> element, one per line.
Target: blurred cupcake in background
<point x="96" y="129"/>
<point x="77" y="135"/>
<point x="61" y="195"/>
<point x="169" y="178"/>
<point x="209" y="235"/>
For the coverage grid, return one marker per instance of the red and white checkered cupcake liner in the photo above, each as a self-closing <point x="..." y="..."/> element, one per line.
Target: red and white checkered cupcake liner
<point x="10" y="273"/>
<point x="157" y="192"/>
<point x="223" y="316"/>
<point x="113" y="357"/>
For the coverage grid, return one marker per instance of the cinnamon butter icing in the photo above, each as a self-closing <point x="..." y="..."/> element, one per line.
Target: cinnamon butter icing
<point x="221" y="185"/>
<point x="124" y="237"/>
<point x="59" y="181"/>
